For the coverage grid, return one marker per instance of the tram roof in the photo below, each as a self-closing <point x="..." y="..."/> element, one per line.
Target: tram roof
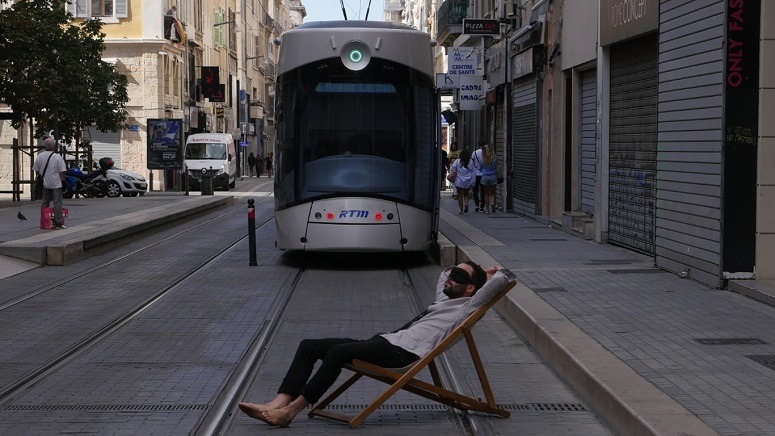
<point x="343" y="24"/>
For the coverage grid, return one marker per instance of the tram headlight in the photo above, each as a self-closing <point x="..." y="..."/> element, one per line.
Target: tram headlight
<point x="355" y="55"/>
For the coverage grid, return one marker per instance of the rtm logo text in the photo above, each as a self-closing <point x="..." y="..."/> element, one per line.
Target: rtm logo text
<point x="354" y="214"/>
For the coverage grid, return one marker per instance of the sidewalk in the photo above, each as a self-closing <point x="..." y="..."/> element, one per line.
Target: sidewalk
<point x="93" y="224"/>
<point x="650" y="352"/>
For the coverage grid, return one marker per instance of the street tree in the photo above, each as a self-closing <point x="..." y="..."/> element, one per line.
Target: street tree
<point x="51" y="71"/>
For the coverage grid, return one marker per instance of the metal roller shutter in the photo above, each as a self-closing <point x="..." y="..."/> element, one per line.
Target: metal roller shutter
<point x="500" y="144"/>
<point x="524" y="159"/>
<point x="633" y="144"/>
<point x="105" y="144"/>
<point x="588" y="139"/>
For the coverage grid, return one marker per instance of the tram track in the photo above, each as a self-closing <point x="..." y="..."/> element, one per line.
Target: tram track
<point x="61" y="359"/>
<point x="81" y="274"/>
<point x="221" y="417"/>
<point x="223" y="409"/>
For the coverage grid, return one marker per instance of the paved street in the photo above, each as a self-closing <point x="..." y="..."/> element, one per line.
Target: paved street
<point x="643" y="348"/>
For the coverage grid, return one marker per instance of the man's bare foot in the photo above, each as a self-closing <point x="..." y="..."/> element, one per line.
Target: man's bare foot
<point x="255" y="411"/>
<point x="281" y="417"/>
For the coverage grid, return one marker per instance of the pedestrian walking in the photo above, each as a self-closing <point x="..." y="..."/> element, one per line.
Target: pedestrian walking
<point x="463" y="167"/>
<point x="444" y="168"/>
<point x="252" y="163"/>
<point x="489" y="179"/>
<point x="269" y="164"/>
<point x="50" y="166"/>
<point x="454" y="153"/>
<point x="477" y="188"/>
<point x="259" y="165"/>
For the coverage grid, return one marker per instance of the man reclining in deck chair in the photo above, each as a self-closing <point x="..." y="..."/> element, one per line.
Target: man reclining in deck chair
<point x="458" y="295"/>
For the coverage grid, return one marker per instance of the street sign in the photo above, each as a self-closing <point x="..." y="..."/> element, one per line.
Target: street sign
<point x="446" y="81"/>
<point x="462" y="61"/>
<point x="476" y="26"/>
<point x="471" y="92"/>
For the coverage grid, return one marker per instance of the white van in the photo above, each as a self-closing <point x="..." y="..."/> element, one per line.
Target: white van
<point x="211" y="152"/>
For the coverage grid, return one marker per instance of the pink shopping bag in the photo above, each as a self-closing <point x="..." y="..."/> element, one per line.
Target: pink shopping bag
<point x="47" y="217"/>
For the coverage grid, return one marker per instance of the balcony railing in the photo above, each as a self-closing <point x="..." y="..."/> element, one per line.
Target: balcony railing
<point x="451" y="12"/>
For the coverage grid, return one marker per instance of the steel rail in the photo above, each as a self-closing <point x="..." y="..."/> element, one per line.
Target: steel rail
<point x="220" y="415"/>
<point x="84" y="273"/>
<point x="86" y="343"/>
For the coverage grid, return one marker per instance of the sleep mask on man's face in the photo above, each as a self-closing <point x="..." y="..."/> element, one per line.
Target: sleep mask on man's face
<point x="459" y="275"/>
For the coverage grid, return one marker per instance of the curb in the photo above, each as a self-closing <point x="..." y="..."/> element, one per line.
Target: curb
<point x="627" y="402"/>
<point x="74" y="244"/>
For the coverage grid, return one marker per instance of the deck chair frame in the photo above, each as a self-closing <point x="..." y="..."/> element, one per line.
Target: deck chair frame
<point x="404" y="378"/>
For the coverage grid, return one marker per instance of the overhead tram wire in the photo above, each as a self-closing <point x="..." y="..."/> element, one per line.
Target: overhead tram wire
<point x="358" y="11"/>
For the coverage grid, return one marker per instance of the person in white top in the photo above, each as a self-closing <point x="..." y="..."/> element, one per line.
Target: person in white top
<point x="460" y="290"/>
<point x="51" y="166"/>
<point x="463" y="167"/>
<point x="479" y="199"/>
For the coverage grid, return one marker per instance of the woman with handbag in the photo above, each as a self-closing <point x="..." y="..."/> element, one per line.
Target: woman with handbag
<point x="461" y="174"/>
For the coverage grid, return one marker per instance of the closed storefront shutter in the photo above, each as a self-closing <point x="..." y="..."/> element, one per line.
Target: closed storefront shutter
<point x="633" y="144"/>
<point x="524" y="159"/>
<point x="500" y="144"/>
<point x="105" y="144"/>
<point x="588" y="140"/>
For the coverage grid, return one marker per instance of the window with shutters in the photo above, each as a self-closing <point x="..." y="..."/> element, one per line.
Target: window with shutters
<point x="198" y="15"/>
<point x="232" y="34"/>
<point x="86" y="9"/>
<point x="257" y="52"/>
<point x="218" y="34"/>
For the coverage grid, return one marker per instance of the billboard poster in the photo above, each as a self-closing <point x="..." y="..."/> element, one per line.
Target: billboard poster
<point x="165" y="144"/>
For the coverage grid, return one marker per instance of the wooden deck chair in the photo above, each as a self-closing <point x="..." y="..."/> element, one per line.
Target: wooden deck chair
<point x="404" y="378"/>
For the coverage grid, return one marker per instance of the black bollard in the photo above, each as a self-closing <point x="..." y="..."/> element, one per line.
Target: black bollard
<point x="185" y="178"/>
<point x="252" y="232"/>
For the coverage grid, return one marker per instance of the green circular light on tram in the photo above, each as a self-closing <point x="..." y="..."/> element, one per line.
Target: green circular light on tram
<point x="356" y="56"/>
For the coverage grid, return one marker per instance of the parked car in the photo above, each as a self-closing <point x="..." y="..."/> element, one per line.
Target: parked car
<point x="126" y="183"/>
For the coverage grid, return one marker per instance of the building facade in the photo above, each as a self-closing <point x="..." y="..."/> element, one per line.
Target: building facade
<point x="640" y="124"/>
<point x="163" y="47"/>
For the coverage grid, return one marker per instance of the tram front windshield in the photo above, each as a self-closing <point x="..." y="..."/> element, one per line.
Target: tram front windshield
<point x="366" y="133"/>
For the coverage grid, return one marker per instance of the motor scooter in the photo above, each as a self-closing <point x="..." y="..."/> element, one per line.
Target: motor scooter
<point x="88" y="185"/>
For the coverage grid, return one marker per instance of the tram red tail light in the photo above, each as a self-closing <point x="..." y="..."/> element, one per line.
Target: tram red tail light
<point x="330" y="216"/>
<point x="378" y="216"/>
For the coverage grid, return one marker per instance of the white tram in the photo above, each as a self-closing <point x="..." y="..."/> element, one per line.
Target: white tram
<point x="357" y="138"/>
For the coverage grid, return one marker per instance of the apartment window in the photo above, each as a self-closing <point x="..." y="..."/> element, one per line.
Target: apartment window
<point x="102" y="8"/>
<point x="167" y="78"/>
<point x="176" y="77"/>
<point x="232" y="27"/>
<point x="111" y="9"/>
<point x="198" y="15"/>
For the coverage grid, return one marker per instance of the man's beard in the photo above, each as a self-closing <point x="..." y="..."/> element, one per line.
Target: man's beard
<point x="455" y="291"/>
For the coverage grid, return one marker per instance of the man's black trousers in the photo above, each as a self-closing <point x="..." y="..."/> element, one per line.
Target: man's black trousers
<point x="335" y="353"/>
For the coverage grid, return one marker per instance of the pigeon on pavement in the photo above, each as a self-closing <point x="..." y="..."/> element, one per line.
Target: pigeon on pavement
<point x="21" y="217"/>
